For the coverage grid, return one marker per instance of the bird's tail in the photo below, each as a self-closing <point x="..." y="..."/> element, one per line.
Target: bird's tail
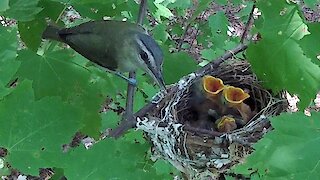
<point x="52" y="32"/>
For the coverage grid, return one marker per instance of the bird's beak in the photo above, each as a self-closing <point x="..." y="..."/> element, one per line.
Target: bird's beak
<point x="158" y="78"/>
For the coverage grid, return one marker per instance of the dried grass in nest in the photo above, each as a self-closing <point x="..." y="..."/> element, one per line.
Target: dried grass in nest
<point x="201" y="153"/>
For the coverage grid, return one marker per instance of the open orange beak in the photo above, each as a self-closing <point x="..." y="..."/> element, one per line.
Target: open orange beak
<point x="212" y="86"/>
<point x="235" y="97"/>
<point x="226" y="124"/>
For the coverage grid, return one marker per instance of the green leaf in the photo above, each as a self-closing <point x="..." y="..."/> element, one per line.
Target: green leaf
<point x="31" y="31"/>
<point x="222" y="2"/>
<point x="164" y="167"/>
<point x="96" y="9"/>
<point x="162" y="11"/>
<point x="4" y="5"/>
<point x="51" y="9"/>
<point x="109" y="120"/>
<point x="245" y="12"/>
<point x="211" y="54"/>
<point x="57" y="74"/>
<point x="218" y="23"/>
<point x="23" y="10"/>
<point x="8" y="53"/>
<point x="277" y="59"/>
<point x="103" y="161"/>
<point x="203" y="4"/>
<point x="207" y="54"/>
<point x="32" y="131"/>
<point x="177" y="65"/>
<point x="4" y="91"/>
<point x="290" y="151"/>
<point x="160" y="33"/>
<point x="282" y="20"/>
<point x="311" y="3"/>
<point x="181" y="4"/>
<point x="308" y="42"/>
<point x="149" y="89"/>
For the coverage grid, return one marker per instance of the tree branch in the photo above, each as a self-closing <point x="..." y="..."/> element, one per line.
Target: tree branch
<point x="249" y="23"/>
<point x="128" y="118"/>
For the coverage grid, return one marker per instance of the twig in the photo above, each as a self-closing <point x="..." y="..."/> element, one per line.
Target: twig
<point x="179" y="46"/>
<point x="128" y="118"/>
<point x="130" y="98"/>
<point x="200" y="131"/>
<point x="249" y="23"/>
<point x="142" y="11"/>
<point x="61" y="13"/>
<point x="126" y="125"/>
<point x="215" y="63"/>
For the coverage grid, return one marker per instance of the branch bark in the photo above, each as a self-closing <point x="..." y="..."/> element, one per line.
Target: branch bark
<point x="128" y="117"/>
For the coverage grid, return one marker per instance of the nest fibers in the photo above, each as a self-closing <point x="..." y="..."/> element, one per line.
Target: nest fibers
<point x="205" y="153"/>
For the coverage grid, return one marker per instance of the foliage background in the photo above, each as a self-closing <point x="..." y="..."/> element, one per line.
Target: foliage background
<point x="48" y="92"/>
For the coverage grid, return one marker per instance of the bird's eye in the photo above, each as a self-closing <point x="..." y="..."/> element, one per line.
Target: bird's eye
<point x="144" y="55"/>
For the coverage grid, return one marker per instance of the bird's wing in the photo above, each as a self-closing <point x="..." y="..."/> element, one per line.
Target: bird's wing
<point x="90" y="43"/>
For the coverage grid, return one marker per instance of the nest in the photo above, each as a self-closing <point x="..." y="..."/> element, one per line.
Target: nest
<point x="196" y="150"/>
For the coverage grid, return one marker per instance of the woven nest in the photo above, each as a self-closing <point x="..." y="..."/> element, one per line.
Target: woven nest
<point x="198" y="150"/>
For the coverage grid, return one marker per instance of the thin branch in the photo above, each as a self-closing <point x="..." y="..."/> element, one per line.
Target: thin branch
<point x="215" y="63"/>
<point x="200" y="131"/>
<point x="179" y="46"/>
<point x="130" y="97"/>
<point x="142" y="11"/>
<point x="128" y="117"/>
<point x="61" y="13"/>
<point x="249" y="23"/>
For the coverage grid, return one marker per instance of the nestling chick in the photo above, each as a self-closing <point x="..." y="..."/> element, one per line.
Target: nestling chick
<point x="205" y="101"/>
<point x="226" y="124"/>
<point x="234" y="97"/>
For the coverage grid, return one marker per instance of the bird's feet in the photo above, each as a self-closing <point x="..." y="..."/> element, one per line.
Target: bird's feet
<point x="131" y="81"/>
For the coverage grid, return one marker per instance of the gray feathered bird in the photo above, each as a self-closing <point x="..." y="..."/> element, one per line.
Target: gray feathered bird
<point x="115" y="45"/>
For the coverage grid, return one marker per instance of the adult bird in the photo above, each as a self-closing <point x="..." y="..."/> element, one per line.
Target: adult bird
<point x="116" y="45"/>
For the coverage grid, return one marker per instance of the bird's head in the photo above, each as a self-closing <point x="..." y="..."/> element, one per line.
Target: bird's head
<point x="150" y="57"/>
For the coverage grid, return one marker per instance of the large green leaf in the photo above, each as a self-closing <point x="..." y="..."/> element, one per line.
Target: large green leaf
<point x="218" y="24"/>
<point x="31" y="31"/>
<point x="111" y="159"/>
<point x="51" y="9"/>
<point x="308" y="42"/>
<point x="177" y="65"/>
<point x="4" y="5"/>
<point x="8" y="53"/>
<point x="290" y="151"/>
<point x="57" y="74"/>
<point x="33" y="131"/>
<point x="162" y="11"/>
<point x="278" y="59"/>
<point x="37" y="129"/>
<point x="180" y="4"/>
<point x="23" y="10"/>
